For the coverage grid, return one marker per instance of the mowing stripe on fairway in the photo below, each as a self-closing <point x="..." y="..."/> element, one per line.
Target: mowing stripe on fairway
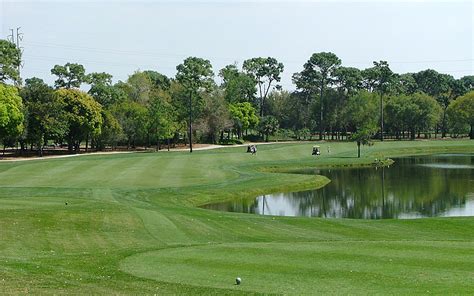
<point x="122" y="208"/>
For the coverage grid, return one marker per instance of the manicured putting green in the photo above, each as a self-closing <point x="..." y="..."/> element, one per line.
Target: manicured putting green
<point x="341" y="267"/>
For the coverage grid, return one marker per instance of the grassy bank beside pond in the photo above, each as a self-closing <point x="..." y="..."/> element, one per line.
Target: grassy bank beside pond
<point x="129" y="224"/>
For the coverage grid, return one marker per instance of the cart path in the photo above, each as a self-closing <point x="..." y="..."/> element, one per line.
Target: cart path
<point x="181" y="149"/>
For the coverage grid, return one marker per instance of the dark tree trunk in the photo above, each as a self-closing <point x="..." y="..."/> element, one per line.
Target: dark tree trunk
<point x="190" y="123"/>
<point x="358" y="149"/>
<point x="321" y="129"/>
<point x="70" y="145"/>
<point x="381" y="117"/>
<point x="22" y="147"/>
<point x="87" y="143"/>
<point x="443" y="124"/>
<point x="471" y="133"/>
<point x="40" y="149"/>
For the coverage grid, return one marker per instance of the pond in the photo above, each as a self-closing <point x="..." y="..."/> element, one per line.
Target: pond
<point x="413" y="187"/>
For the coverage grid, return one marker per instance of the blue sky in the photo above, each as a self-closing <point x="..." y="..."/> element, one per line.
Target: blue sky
<point x="120" y="37"/>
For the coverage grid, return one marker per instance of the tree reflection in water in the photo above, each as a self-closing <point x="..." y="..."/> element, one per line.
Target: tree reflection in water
<point x="438" y="185"/>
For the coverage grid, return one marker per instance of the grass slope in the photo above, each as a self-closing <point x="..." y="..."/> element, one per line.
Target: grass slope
<point x="131" y="226"/>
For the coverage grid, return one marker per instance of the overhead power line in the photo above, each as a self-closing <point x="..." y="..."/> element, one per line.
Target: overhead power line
<point x="120" y="52"/>
<point x="229" y="59"/>
<point x="108" y="63"/>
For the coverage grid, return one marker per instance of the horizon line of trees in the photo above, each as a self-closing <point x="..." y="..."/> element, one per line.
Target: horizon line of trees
<point x="150" y="109"/>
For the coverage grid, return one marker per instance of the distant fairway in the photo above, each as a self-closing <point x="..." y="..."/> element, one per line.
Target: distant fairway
<point x="131" y="226"/>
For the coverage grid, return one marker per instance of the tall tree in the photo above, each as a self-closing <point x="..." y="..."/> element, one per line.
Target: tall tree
<point x="468" y="82"/>
<point x="10" y="59"/>
<point x="348" y="80"/>
<point x="195" y="74"/>
<point x="268" y="125"/>
<point x="431" y="82"/>
<point x="461" y="113"/>
<point x="11" y="113"/>
<point x="70" y="75"/>
<point x="238" y="86"/>
<point x="132" y="118"/>
<point x="180" y="102"/>
<point x="429" y="112"/>
<point x="111" y="131"/>
<point x="103" y="91"/>
<point x="318" y="73"/>
<point x="84" y="116"/>
<point x="292" y="111"/>
<point x="443" y="87"/>
<point x="107" y="95"/>
<point x="161" y="117"/>
<point x="406" y="84"/>
<point x="159" y="80"/>
<point x="138" y="87"/>
<point x="45" y="115"/>
<point x="301" y="107"/>
<point x="99" y="78"/>
<point x="265" y="71"/>
<point x="215" y="116"/>
<point x="361" y="110"/>
<point x="244" y="116"/>
<point x="383" y="80"/>
<point x="369" y="79"/>
<point x="413" y="113"/>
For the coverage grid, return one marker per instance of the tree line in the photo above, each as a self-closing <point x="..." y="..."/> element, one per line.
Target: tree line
<point x="149" y="109"/>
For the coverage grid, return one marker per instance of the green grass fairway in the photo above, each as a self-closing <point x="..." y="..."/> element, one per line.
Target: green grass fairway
<point x="132" y="226"/>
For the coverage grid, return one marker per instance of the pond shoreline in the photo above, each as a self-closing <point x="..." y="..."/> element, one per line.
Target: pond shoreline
<point x="420" y="166"/>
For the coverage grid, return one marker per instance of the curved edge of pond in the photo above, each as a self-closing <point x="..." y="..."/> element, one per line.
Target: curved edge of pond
<point x="287" y="188"/>
<point x="416" y="186"/>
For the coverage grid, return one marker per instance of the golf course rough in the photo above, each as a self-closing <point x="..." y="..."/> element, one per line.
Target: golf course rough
<point x="132" y="226"/>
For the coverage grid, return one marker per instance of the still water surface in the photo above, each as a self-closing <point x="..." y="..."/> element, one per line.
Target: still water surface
<point x="414" y="187"/>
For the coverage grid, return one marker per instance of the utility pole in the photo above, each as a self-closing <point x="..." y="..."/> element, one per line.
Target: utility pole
<point x="15" y="39"/>
<point x="190" y="122"/>
<point x="381" y="117"/>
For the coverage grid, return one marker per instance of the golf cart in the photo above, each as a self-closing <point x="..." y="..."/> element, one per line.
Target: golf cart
<point x="252" y="149"/>
<point x="316" y="150"/>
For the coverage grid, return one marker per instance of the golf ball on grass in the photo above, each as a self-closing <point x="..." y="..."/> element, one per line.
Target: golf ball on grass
<point x="238" y="281"/>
